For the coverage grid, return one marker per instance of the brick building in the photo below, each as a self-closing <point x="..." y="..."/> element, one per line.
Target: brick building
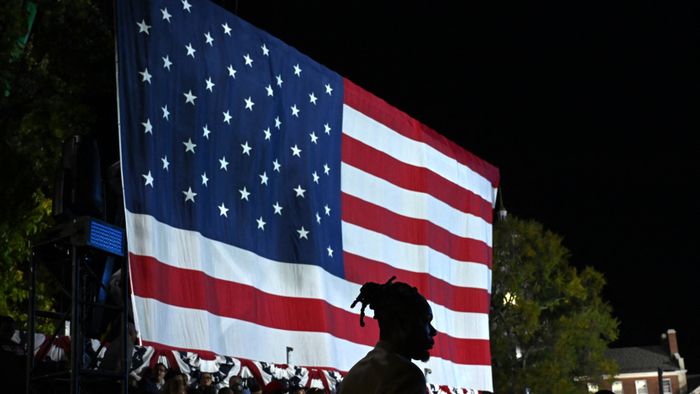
<point x="639" y="368"/>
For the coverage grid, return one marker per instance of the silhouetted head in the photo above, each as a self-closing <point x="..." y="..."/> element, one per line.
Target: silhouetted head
<point x="403" y="315"/>
<point x="160" y="371"/>
<point x="236" y="384"/>
<point x="206" y="379"/>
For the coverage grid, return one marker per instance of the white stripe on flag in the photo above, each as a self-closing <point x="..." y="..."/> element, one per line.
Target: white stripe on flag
<point x="370" y="132"/>
<point x="413" y="204"/>
<point x="226" y="262"/>
<point x="416" y="258"/>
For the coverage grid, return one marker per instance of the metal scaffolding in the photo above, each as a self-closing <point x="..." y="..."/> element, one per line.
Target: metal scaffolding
<point x="73" y="253"/>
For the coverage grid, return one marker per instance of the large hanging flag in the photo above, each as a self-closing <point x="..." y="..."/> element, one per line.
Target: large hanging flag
<point x="262" y="189"/>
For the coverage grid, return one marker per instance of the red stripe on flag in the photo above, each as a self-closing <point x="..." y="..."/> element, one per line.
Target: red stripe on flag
<point x="409" y="177"/>
<point x="461" y="299"/>
<point x="196" y="290"/>
<point x="203" y="354"/>
<point x="414" y="231"/>
<point x="399" y="121"/>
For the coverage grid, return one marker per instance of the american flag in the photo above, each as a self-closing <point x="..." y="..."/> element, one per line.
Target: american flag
<point x="262" y="189"/>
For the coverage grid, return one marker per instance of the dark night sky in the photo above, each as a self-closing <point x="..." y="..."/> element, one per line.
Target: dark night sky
<point x="589" y="110"/>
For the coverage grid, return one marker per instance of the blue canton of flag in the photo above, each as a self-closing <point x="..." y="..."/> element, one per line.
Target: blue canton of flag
<point x="233" y="134"/>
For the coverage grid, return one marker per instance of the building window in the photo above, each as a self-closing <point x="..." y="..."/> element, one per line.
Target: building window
<point x="641" y="386"/>
<point x="668" y="389"/>
<point x="617" y="387"/>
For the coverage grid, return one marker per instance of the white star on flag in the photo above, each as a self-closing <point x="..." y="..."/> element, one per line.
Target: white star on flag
<point x="147" y="126"/>
<point x="210" y="84"/>
<point x="186" y="6"/>
<point x="227" y="30"/>
<point x="303" y="233"/>
<point x="189" y="194"/>
<point x="209" y="39"/>
<point x="166" y="62"/>
<point x="189" y="97"/>
<point x="143" y="27"/>
<point x="223" y="210"/>
<point x="166" y="14"/>
<point x="224" y="164"/>
<point x="248" y="60"/>
<point x="189" y="145"/>
<point x="166" y="113"/>
<point x="246" y="148"/>
<point x="190" y="50"/>
<point x="244" y="193"/>
<point x="261" y="223"/>
<point x="249" y="103"/>
<point x="148" y="178"/>
<point x="146" y="77"/>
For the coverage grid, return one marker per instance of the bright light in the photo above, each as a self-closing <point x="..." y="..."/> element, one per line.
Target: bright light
<point x="510" y="298"/>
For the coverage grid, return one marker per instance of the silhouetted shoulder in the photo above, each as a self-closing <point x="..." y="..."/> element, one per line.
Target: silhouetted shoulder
<point x="384" y="371"/>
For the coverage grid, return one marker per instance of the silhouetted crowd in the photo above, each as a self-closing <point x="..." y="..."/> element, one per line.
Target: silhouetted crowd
<point x="160" y="379"/>
<point x="157" y="378"/>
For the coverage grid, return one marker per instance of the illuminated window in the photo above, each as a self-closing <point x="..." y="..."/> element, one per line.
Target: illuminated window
<point x="668" y="389"/>
<point x="617" y="388"/>
<point x="641" y="386"/>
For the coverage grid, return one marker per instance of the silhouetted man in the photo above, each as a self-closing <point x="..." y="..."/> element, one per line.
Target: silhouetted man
<point x="405" y="333"/>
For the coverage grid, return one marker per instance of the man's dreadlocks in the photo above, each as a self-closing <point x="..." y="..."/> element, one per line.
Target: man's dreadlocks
<point x="389" y="301"/>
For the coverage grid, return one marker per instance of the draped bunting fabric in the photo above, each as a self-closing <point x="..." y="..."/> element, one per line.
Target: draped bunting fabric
<point x="222" y="368"/>
<point x="262" y="189"/>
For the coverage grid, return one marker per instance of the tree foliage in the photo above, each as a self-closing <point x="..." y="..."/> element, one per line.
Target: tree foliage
<point x="549" y="324"/>
<point x="59" y="84"/>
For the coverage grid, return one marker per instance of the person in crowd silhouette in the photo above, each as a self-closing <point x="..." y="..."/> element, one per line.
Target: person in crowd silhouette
<point x="254" y="386"/>
<point x="154" y="381"/>
<point x="405" y="333"/>
<point x="205" y="385"/>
